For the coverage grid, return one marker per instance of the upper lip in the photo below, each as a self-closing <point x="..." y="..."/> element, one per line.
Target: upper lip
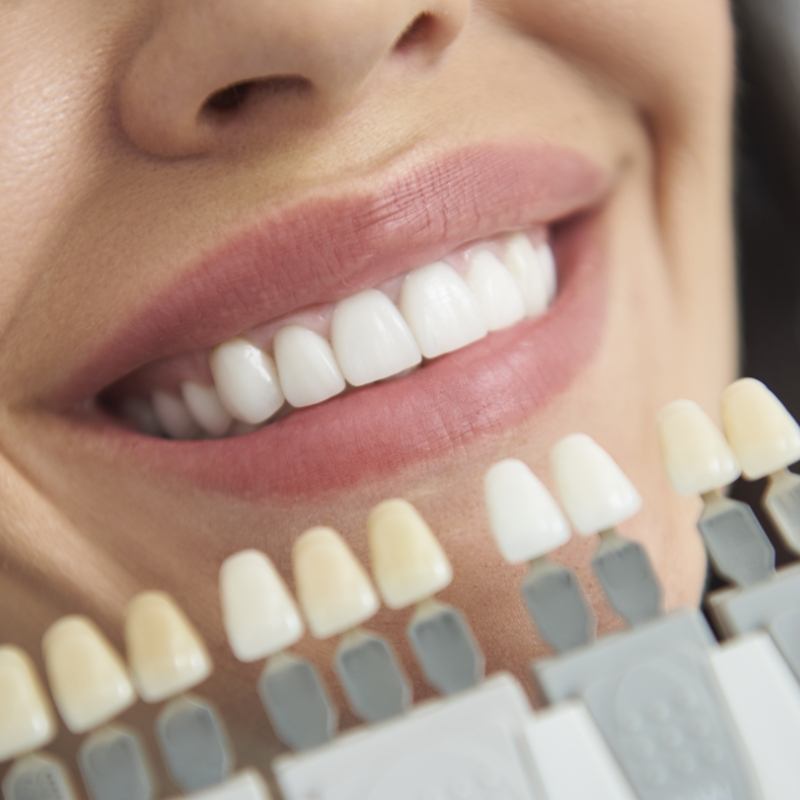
<point x="324" y="248"/>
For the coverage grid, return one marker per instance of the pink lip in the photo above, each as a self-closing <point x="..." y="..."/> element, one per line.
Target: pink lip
<point x="325" y="249"/>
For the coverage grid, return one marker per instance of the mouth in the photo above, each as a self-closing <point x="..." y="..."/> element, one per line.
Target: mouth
<point x="348" y="337"/>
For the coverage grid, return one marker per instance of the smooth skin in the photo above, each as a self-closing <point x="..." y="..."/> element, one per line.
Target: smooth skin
<point x="110" y="163"/>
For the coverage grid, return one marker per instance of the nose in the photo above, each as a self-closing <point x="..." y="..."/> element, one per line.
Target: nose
<point x="211" y="72"/>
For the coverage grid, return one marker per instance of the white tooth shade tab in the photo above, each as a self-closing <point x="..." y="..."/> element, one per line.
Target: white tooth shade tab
<point x="246" y="381"/>
<point x="371" y="339"/>
<point x="496" y="293"/>
<point x="332" y="586"/>
<point x="26" y="721"/>
<point x="523" y="516"/>
<point x="259" y="614"/>
<point x="408" y="562"/>
<point x="87" y="676"/>
<point x="762" y="433"/>
<point x="165" y="653"/>
<point x="594" y="491"/>
<point x="533" y="267"/>
<point x="205" y="408"/>
<point x="306" y="365"/>
<point x="440" y="310"/>
<point x="696" y="455"/>
<point x="174" y="417"/>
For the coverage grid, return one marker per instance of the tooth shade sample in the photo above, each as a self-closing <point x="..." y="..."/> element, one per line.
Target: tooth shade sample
<point x="696" y="455"/>
<point x="440" y="310"/>
<point x="87" y="677"/>
<point x="259" y="614"/>
<point x="332" y="586"/>
<point x="371" y="339"/>
<point x="593" y="490"/>
<point x="246" y="381"/>
<point x="534" y="270"/>
<point x="408" y="563"/>
<point x="496" y="293"/>
<point x="306" y="365"/>
<point x="26" y="721"/>
<point x="762" y="433"/>
<point x="165" y="654"/>
<point x="174" y="417"/>
<point x="205" y="408"/>
<point x="523" y="516"/>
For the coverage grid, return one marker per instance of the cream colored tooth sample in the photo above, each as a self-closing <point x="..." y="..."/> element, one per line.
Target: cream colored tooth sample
<point x="408" y="562"/>
<point x="87" y="677"/>
<point x="165" y="653"/>
<point x="205" y="408"/>
<point x="371" y="339"/>
<point x="696" y="455"/>
<point x="496" y="293"/>
<point x="26" y="721"/>
<point x="246" y="381"/>
<point x="523" y="516"/>
<point x="259" y="614"/>
<point x="762" y="433"/>
<point x="332" y="586"/>
<point x="306" y="365"/>
<point x="593" y="490"/>
<point x="174" y="417"/>
<point x="440" y="310"/>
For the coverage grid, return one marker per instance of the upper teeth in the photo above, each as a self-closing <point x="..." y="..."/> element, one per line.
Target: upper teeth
<point x="441" y="307"/>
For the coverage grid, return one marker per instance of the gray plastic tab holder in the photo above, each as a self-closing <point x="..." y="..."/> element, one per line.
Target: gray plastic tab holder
<point x="194" y="743"/>
<point x="557" y="605"/>
<point x="296" y="702"/>
<point x="624" y="570"/>
<point x="738" y="548"/>
<point x="373" y="681"/>
<point x="38" y="777"/>
<point x="785" y="632"/>
<point x="114" y="766"/>
<point x="782" y="502"/>
<point x="654" y="698"/>
<point x="445" y="647"/>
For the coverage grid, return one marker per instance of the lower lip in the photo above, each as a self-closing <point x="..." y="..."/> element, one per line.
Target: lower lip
<point x="379" y="430"/>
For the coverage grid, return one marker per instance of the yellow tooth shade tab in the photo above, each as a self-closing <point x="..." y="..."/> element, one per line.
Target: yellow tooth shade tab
<point x="87" y="676"/>
<point x="26" y="721"/>
<point x="165" y="653"/>
<point x="334" y="591"/>
<point x="408" y="563"/>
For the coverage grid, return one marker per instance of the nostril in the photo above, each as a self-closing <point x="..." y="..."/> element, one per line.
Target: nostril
<point x="420" y="30"/>
<point x="232" y="98"/>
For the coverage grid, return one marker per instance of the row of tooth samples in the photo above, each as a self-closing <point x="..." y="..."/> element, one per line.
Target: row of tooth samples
<point x="337" y="597"/>
<point x="371" y="338"/>
<point x="91" y="685"/>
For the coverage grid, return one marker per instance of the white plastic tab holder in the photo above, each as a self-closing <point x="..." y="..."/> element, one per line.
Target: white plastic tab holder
<point x="246" y="785"/>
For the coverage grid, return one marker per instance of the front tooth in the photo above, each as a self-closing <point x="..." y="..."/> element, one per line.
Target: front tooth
<point x="523" y="516"/>
<point x="246" y="381"/>
<point x="26" y="721"/>
<point x="496" y="292"/>
<point x="307" y="367"/>
<point x="165" y="653"/>
<point x="440" y="310"/>
<point x="371" y="339"/>
<point x="533" y="267"/>
<point x="762" y="433"/>
<point x="408" y="563"/>
<point x="174" y="417"/>
<point x="259" y="614"/>
<point x="696" y="455"/>
<point x="87" y="677"/>
<point x="594" y="491"/>
<point x="205" y="408"/>
<point x="332" y="586"/>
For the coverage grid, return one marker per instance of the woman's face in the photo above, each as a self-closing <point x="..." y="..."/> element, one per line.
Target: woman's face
<point x="148" y="215"/>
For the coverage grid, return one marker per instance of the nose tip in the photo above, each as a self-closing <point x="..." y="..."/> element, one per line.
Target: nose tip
<point x="210" y="74"/>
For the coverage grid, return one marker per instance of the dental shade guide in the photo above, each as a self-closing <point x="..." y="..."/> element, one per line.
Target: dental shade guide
<point x="167" y="658"/>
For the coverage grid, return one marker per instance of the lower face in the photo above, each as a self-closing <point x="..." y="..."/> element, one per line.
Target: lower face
<point x="94" y="511"/>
